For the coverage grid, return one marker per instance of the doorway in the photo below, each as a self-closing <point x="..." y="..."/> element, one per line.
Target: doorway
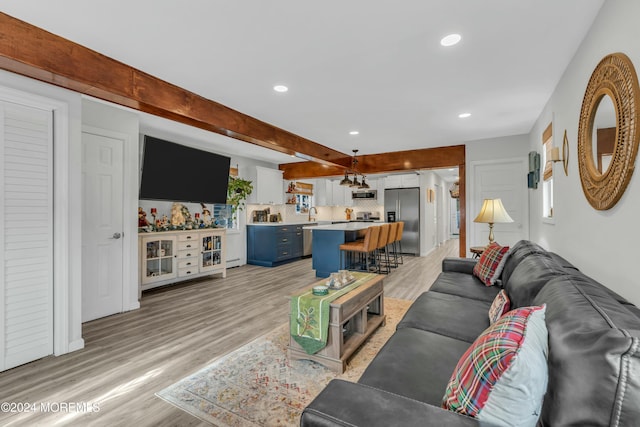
<point x="102" y="223"/>
<point x="500" y="179"/>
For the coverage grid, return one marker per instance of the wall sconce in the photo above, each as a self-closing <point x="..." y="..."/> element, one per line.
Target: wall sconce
<point x="554" y="154"/>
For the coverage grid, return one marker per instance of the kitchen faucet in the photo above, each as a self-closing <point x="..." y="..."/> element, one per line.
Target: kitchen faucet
<point x="314" y="208"/>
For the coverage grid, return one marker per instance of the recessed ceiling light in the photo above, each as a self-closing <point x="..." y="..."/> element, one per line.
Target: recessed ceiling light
<point x="354" y="132"/>
<point x="464" y="115"/>
<point x="280" y="88"/>
<point x="451" y="40"/>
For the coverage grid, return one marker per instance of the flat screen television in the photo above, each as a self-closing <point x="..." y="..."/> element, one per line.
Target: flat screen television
<point x="182" y="174"/>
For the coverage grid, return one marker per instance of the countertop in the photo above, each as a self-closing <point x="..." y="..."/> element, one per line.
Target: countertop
<point x="142" y="233"/>
<point x="283" y="224"/>
<point x="346" y="226"/>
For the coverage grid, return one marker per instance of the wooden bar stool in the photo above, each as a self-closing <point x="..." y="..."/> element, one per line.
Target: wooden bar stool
<point x="398" y="243"/>
<point x="382" y="243"/>
<point x="393" y="235"/>
<point x="363" y="248"/>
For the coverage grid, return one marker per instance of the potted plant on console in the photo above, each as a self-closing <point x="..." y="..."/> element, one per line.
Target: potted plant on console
<point x="237" y="192"/>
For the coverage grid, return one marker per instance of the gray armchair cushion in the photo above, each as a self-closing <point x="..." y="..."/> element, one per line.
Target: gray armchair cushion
<point x="529" y="277"/>
<point x="517" y="254"/>
<point x="464" y="285"/>
<point x="459" y="265"/>
<point x="450" y="315"/>
<point x="416" y="364"/>
<point x="343" y="403"/>
<point x="594" y="356"/>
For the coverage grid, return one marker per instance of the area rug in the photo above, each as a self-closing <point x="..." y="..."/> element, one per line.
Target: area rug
<point x="257" y="385"/>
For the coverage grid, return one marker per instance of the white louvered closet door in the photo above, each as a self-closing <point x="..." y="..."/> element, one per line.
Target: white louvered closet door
<point x="26" y="236"/>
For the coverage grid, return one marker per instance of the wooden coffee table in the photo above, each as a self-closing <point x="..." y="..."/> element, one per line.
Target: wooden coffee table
<point x="352" y="318"/>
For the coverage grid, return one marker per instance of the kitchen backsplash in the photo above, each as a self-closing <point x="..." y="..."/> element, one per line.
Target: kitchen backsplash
<point x="287" y="212"/>
<point x="324" y="213"/>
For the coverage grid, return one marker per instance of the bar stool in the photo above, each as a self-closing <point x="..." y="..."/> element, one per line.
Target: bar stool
<point x="393" y="235"/>
<point x="361" y="247"/>
<point x="382" y="243"/>
<point x="398" y="243"/>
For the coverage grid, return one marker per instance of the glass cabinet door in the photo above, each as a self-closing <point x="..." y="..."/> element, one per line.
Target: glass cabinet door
<point x="211" y="252"/>
<point x="159" y="259"/>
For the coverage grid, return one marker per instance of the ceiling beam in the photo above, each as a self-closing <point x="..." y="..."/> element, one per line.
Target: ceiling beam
<point x="395" y="161"/>
<point x="33" y="52"/>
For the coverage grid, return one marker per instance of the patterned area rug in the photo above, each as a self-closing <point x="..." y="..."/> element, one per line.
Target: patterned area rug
<point x="257" y="385"/>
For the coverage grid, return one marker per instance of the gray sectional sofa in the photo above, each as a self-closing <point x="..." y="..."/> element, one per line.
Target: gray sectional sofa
<point x="593" y="359"/>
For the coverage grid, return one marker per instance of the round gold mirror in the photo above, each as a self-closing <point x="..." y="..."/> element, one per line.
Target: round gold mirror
<point x="608" y="132"/>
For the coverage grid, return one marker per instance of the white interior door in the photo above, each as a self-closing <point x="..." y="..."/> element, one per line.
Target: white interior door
<point x="102" y="225"/>
<point x="26" y="238"/>
<point x="504" y="179"/>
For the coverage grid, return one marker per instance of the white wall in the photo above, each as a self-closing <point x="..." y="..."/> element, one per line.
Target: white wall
<point x="507" y="147"/>
<point x="603" y="244"/>
<point x="433" y="235"/>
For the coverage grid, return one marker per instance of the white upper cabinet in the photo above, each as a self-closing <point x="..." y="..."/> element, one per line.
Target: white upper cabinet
<point x="337" y="194"/>
<point x="402" y="181"/>
<point x="323" y="192"/>
<point x="268" y="187"/>
<point x="341" y="194"/>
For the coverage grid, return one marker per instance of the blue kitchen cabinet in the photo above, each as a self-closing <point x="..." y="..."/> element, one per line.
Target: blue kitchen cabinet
<point x="271" y="245"/>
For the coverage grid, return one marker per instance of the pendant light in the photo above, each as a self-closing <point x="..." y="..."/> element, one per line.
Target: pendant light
<point x="353" y="182"/>
<point x="364" y="184"/>
<point x="346" y="180"/>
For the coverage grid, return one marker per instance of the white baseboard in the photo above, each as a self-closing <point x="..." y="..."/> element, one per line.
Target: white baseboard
<point x="76" y="345"/>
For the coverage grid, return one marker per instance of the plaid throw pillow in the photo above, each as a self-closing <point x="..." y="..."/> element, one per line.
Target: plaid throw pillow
<point x="491" y="262"/>
<point x="500" y="306"/>
<point x="501" y="379"/>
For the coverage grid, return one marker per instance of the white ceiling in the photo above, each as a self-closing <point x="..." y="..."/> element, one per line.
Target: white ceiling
<point x="373" y="66"/>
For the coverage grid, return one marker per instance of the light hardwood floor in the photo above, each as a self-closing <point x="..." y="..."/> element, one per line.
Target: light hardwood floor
<point x="178" y="330"/>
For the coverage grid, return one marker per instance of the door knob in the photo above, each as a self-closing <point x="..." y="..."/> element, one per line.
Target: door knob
<point x="116" y="236"/>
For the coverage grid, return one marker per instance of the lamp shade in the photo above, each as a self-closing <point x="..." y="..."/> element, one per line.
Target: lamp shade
<point x="492" y="212"/>
<point x="346" y="180"/>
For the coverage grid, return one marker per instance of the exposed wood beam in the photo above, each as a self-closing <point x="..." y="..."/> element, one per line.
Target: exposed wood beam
<point x="427" y="158"/>
<point x="301" y="170"/>
<point x="36" y="53"/>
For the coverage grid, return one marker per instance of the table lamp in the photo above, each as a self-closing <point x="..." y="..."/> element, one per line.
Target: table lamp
<point x="492" y="211"/>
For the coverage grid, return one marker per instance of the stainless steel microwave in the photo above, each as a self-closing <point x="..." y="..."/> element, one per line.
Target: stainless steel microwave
<point x="369" y="194"/>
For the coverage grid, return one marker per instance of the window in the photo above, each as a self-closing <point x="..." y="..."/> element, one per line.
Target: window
<point x="301" y="195"/>
<point x="547" y="175"/>
<point x="303" y="203"/>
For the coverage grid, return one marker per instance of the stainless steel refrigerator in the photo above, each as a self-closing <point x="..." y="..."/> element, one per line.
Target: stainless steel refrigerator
<point x="403" y="204"/>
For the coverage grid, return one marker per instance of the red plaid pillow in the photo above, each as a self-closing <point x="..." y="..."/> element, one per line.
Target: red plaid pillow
<point x="500" y="306"/>
<point x="502" y="378"/>
<point x="490" y="265"/>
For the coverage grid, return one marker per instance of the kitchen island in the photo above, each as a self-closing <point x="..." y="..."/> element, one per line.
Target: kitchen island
<point x="327" y="239"/>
